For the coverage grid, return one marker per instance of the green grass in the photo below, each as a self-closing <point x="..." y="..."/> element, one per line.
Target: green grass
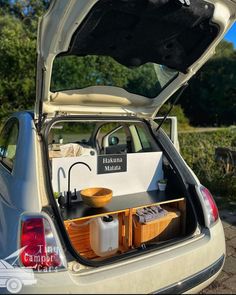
<point x="198" y="149"/>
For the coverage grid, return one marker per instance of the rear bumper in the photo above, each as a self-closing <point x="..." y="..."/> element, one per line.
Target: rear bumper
<point x="195" y="264"/>
<point x="29" y="282"/>
<point x="194" y="280"/>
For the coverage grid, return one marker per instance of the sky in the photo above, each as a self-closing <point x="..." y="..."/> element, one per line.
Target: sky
<point x="231" y="35"/>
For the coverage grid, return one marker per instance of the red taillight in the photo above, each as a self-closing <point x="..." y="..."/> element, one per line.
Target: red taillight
<point x="39" y="247"/>
<point x="212" y="210"/>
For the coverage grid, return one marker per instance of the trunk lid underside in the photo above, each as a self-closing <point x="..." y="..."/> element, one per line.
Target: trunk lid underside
<point x="133" y="33"/>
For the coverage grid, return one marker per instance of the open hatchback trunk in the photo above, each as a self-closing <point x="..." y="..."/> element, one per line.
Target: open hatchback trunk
<point x="96" y="157"/>
<point x="105" y="67"/>
<point x="93" y="55"/>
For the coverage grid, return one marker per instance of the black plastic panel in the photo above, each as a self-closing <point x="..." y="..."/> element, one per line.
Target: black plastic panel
<point x="135" y="32"/>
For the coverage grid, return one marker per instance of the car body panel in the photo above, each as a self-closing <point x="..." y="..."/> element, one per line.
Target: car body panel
<point x="27" y="189"/>
<point x="26" y="276"/>
<point x="173" y="129"/>
<point x="55" y="36"/>
<point x="19" y="189"/>
<point x="144" y="275"/>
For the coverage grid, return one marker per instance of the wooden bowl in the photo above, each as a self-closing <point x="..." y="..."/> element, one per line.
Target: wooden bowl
<point x="96" y="197"/>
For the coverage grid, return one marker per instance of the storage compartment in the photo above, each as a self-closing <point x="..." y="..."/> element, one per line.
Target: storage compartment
<point x="78" y="232"/>
<point x="161" y="229"/>
<point x="93" y="238"/>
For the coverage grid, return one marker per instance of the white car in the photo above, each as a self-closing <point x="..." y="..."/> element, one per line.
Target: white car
<point x="14" y="278"/>
<point x="95" y="140"/>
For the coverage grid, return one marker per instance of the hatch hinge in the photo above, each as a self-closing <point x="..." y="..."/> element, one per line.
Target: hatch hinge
<point x="42" y="118"/>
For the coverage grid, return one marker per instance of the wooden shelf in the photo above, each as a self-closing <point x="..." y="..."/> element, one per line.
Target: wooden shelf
<point x="77" y="217"/>
<point x="119" y="204"/>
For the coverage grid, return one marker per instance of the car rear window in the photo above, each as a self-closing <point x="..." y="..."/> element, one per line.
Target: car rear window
<point x="104" y="137"/>
<point x="72" y="72"/>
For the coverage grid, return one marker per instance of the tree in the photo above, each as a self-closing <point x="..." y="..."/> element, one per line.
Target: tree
<point x="224" y="49"/>
<point x="80" y="72"/>
<point x="183" y="121"/>
<point x="24" y="9"/>
<point x="210" y="98"/>
<point x="17" y="65"/>
<point x="18" y="31"/>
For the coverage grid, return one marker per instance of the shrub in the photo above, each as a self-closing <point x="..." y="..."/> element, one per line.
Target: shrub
<point x="198" y="150"/>
<point x="183" y="121"/>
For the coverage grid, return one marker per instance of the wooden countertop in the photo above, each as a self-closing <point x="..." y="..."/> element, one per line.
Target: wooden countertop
<point x="79" y="210"/>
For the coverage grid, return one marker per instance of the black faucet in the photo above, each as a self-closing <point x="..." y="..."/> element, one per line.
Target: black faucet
<point x="69" y="195"/>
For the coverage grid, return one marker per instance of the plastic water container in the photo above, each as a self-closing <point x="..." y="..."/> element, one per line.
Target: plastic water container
<point x="104" y="235"/>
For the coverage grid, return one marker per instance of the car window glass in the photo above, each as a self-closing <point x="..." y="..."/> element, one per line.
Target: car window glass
<point x="104" y="130"/>
<point x="71" y="132"/>
<point x="2" y="143"/>
<point x="7" y="265"/>
<point x="126" y="137"/>
<point x="118" y="137"/>
<point x="114" y="138"/>
<point x="2" y="265"/>
<point x="79" y="72"/>
<point x="103" y="137"/>
<point x="147" y="143"/>
<point x="8" y="143"/>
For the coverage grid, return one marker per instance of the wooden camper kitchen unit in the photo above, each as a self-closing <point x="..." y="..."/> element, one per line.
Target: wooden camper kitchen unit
<point x="131" y="233"/>
<point x="134" y="189"/>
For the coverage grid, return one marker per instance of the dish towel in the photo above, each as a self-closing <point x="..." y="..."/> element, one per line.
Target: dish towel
<point x="150" y="213"/>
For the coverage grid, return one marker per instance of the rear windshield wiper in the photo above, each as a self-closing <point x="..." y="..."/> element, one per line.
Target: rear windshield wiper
<point x="182" y="89"/>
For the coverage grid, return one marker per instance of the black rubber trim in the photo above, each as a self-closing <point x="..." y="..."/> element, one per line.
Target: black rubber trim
<point x="58" y="218"/>
<point x="194" y="280"/>
<point x="173" y="156"/>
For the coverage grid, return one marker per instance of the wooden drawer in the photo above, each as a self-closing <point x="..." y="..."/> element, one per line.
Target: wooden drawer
<point x="164" y="228"/>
